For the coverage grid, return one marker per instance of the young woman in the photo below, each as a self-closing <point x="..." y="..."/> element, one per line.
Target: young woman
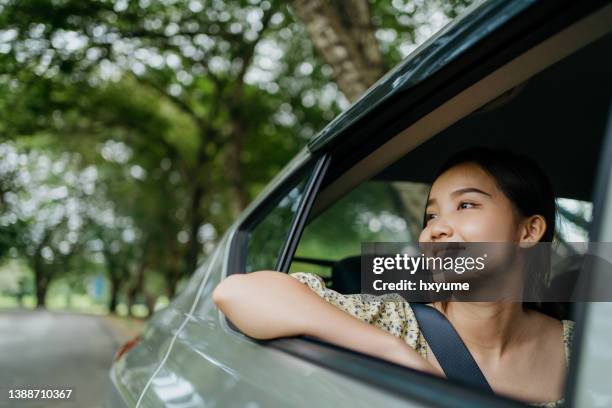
<point x="480" y="195"/>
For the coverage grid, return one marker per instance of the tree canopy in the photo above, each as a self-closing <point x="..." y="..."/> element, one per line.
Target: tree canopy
<point x="183" y="110"/>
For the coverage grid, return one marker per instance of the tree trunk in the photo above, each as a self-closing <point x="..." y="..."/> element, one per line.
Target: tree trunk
<point x="171" y="283"/>
<point x="41" y="289"/>
<point x="410" y="201"/>
<point x="130" y="297"/>
<point x="343" y="33"/>
<point x="196" y="220"/>
<point x="150" y="301"/>
<point x="138" y="283"/>
<point x="234" y="170"/>
<point x="234" y="162"/>
<point x="114" y="270"/>
<point x="114" y="296"/>
<point x="41" y="296"/>
<point x="173" y="274"/>
<point x="41" y="280"/>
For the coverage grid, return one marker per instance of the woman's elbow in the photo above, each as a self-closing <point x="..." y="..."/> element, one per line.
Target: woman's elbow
<point x="238" y="286"/>
<point x="227" y="290"/>
<point x="245" y="300"/>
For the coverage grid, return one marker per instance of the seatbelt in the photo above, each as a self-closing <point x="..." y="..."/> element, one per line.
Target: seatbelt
<point x="450" y="351"/>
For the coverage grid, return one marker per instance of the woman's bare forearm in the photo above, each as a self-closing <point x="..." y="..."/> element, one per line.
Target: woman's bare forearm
<point x="269" y="304"/>
<point x="263" y="304"/>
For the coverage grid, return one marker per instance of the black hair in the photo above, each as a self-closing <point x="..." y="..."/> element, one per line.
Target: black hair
<point x="529" y="190"/>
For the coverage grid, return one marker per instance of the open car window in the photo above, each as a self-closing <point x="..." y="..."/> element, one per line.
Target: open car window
<point x="374" y="211"/>
<point x="392" y="211"/>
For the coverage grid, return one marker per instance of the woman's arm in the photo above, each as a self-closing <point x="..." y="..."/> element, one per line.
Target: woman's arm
<point x="269" y="304"/>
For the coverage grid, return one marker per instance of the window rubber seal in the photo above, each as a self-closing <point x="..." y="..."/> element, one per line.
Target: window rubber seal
<point x="301" y="216"/>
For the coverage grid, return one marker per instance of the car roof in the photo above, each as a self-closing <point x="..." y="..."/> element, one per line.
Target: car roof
<point x="476" y="23"/>
<point x="557" y="118"/>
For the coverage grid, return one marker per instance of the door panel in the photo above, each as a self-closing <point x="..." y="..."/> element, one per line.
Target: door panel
<point x="211" y="365"/>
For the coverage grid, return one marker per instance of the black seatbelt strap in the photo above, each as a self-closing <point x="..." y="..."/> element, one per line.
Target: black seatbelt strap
<point x="450" y="351"/>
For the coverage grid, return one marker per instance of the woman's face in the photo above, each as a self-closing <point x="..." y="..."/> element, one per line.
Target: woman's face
<point x="465" y="205"/>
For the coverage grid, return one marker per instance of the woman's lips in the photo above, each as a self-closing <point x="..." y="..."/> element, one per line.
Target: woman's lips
<point x="449" y="249"/>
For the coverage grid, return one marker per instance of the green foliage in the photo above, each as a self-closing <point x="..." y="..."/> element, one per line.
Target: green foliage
<point x="185" y="109"/>
<point x="404" y="24"/>
<point x="339" y="231"/>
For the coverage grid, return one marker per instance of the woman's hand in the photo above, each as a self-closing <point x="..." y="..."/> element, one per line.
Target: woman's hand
<point x="269" y="304"/>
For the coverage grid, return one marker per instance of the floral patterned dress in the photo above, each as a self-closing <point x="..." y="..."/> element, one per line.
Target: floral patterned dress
<point x="394" y="315"/>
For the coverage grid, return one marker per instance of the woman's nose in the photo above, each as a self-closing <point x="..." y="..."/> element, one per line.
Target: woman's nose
<point x="440" y="229"/>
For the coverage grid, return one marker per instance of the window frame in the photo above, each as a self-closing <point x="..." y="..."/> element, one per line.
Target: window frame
<point x="544" y="22"/>
<point x="581" y="310"/>
<point x="316" y="165"/>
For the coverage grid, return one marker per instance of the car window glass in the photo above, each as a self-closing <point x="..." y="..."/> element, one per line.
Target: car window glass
<point x="267" y="237"/>
<point x="573" y="219"/>
<point x="374" y="211"/>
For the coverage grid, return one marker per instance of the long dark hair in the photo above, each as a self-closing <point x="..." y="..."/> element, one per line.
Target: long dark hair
<point x="529" y="190"/>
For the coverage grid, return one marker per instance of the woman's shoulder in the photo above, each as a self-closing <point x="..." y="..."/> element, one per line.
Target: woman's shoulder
<point x="545" y="323"/>
<point x="313" y="281"/>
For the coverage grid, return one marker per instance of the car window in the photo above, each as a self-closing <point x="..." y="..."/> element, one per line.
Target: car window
<point x="392" y="211"/>
<point x="573" y="218"/>
<point x="267" y="237"/>
<point x="374" y="211"/>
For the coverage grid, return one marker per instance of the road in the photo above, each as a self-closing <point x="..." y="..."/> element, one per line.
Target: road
<point x="41" y="349"/>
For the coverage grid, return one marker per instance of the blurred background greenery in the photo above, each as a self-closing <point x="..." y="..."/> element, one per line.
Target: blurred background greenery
<point x="132" y="133"/>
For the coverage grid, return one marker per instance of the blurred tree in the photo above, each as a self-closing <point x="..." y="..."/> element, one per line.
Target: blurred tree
<point x="46" y="208"/>
<point x="8" y="178"/>
<point x="170" y="102"/>
<point x="220" y="67"/>
<point x="362" y="39"/>
<point x="344" y="35"/>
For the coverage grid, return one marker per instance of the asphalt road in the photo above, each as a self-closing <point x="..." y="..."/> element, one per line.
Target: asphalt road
<point x="40" y="349"/>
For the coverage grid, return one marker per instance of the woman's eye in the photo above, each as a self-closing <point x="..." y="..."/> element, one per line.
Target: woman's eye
<point x="464" y="205"/>
<point x="429" y="216"/>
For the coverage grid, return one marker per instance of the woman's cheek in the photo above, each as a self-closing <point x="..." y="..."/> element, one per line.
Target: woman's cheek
<point x="484" y="226"/>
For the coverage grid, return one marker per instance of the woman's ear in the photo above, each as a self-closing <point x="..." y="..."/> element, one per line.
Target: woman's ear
<point x="532" y="230"/>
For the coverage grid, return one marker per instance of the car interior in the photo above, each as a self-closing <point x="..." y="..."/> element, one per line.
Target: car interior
<point x="557" y="117"/>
